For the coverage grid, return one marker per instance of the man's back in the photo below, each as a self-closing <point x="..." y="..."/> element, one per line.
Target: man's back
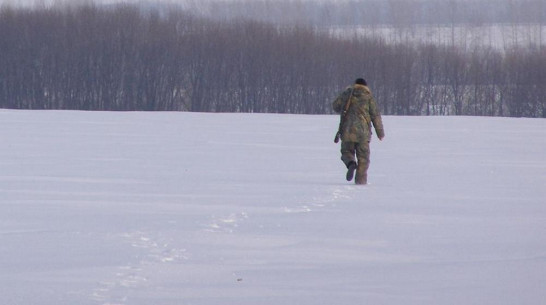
<point x="360" y="115"/>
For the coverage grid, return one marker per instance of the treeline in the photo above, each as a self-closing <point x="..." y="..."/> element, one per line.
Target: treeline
<point x="376" y="12"/>
<point x="123" y="58"/>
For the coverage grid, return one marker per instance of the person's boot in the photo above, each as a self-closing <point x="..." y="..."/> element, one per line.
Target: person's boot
<point x="351" y="167"/>
<point x="361" y="179"/>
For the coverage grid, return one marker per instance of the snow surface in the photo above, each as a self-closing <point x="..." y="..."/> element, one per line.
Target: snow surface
<point x="467" y="37"/>
<point x="247" y="209"/>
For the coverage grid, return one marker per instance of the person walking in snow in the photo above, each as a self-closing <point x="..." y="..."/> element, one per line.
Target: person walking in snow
<point x="355" y="129"/>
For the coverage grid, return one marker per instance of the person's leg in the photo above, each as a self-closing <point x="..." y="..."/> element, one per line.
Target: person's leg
<point x="363" y="156"/>
<point x="348" y="151"/>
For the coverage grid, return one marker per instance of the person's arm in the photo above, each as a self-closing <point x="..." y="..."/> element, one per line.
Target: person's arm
<point x="375" y="115"/>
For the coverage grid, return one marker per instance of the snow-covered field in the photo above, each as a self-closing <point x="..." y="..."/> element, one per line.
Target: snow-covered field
<point x="466" y="37"/>
<point x="247" y="209"/>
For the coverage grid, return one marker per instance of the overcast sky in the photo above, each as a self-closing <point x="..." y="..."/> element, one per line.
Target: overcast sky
<point x="31" y="2"/>
<point x="48" y="2"/>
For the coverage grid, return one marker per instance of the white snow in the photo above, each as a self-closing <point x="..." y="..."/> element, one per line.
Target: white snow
<point x="209" y="209"/>
<point x="467" y="37"/>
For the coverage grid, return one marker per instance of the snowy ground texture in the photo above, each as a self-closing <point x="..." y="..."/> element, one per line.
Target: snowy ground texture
<point x="247" y="209"/>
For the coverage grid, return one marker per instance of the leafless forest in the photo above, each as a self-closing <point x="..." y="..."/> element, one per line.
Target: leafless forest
<point x="233" y="57"/>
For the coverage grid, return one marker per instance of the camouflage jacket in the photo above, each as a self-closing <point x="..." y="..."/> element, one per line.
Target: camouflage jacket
<point x="362" y="113"/>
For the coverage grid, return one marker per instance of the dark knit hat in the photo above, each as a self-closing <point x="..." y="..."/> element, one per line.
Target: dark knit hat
<point x="361" y="81"/>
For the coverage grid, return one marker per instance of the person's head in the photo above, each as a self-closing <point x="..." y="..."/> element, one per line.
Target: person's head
<point x="361" y="81"/>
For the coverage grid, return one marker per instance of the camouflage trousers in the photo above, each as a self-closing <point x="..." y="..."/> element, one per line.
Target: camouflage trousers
<point x="362" y="152"/>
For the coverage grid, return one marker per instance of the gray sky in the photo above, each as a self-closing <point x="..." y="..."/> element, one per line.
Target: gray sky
<point x="49" y="2"/>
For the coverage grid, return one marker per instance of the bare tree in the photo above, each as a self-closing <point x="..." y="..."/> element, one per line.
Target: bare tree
<point x="125" y="57"/>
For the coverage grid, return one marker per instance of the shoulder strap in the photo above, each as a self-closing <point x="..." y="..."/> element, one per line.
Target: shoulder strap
<point x="343" y="116"/>
<point x="348" y="103"/>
